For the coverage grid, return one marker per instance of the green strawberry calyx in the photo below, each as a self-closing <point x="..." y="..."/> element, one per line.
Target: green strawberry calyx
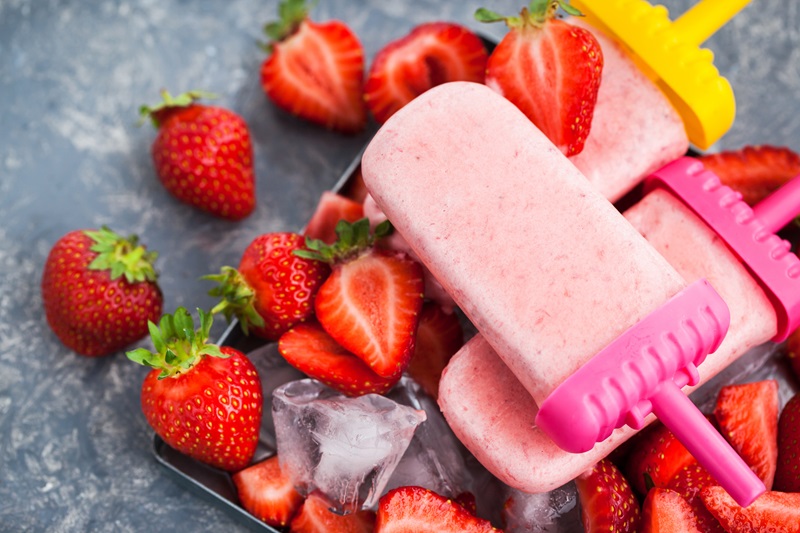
<point x="237" y="298"/>
<point x="122" y="256"/>
<point x="352" y="239"/>
<point x="291" y="13"/>
<point x="159" y="112"/>
<point x="178" y="346"/>
<point x="535" y="14"/>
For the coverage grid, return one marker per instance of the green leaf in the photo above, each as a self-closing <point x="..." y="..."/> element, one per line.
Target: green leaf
<point x="569" y="9"/>
<point x="213" y="351"/>
<point x="155" y="336"/>
<point x="384" y="229"/>
<point x="484" y="15"/>
<point x="142" y="356"/>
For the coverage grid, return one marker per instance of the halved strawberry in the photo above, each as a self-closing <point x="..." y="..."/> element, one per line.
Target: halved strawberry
<point x="370" y="303"/>
<point x="772" y="511"/>
<point x="607" y="500"/>
<point x="315" y="516"/>
<point x="787" y="475"/>
<point x="432" y="54"/>
<point x="439" y="337"/>
<point x="549" y="69"/>
<point x="315" y="71"/>
<point x="754" y="171"/>
<point x="688" y="483"/>
<point x="666" y="511"/>
<point x="747" y="415"/>
<point x="419" y="510"/>
<point x="655" y="452"/>
<point x="267" y="493"/>
<point x="311" y="350"/>
<point x="330" y="210"/>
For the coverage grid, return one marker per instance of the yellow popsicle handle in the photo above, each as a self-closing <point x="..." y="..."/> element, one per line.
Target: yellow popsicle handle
<point x="703" y="19"/>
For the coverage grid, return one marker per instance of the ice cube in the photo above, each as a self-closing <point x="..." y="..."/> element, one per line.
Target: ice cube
<point x="345" y="447"/>
<point x="550" y="512"/>
<point x="435" y="459"/>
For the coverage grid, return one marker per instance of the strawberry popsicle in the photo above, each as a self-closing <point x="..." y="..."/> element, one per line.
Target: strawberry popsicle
<point x="521" y="454"/>
<point x="473" y="186"/>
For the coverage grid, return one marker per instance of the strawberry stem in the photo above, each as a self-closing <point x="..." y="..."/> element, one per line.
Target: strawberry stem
<point x="290" y="14"/>
<point x="122" y="256"/>
<point x="238" y="298"/>
<point x="352" y="239"/>
<point x="536" y="14"/>
<point x="178" y="346"/>
<point x="159" y="112"/>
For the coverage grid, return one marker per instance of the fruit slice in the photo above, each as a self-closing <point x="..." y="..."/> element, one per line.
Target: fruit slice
<point x="330" y="210"/>
<point x="432" y="54"/>
<point x="666" y="511"/>
<point x="607" y="500"/>
<point x="267" y="493"/>
<point x="688" y="483"/>
<point x="315" y="516"/>
<point x="775" y="512"/>
<point x="311" y="350"/>
<point x="658" y="454"/>
<point x="419" y="510"/>
<point x="747" y="415"/>
<point x="439" y="337"/>
<point x="787" y="475"/>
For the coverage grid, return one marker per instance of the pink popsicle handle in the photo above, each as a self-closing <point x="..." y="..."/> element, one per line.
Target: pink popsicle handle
<point x="711" y="450"/>
<point x="780" y="207"/>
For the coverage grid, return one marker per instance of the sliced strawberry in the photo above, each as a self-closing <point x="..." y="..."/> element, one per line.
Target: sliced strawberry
<point x="467" y="501"/>
<point x="688" y="483"/>
<point x="666" y="511"/>
<point x="432" y="54"/>
<point x="371" y="306"/>
<point x="267" y="493"/>
<point x="315" y="71"/>
<point x="315" y="516"/>
<point x="747" y="415"/>
<point x="311" y="350"/>
<point x="439" y="337"/>
<point x="754" y="171"/>
<point x="656" y="453"/>
<point x="330" y="210"/>
<point x="607" y="500"/>
<point x="550" y="70"/>
<point x="772" y="511"/>
<point x="419" y="510"/>
<point x="793" y="352"/>
<point x="787" y="476"/>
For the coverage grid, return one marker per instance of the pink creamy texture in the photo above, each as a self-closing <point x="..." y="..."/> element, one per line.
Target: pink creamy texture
<point x="635" y="129"/>
<point x="501" y="433"/>
<point x="543" y="265"/>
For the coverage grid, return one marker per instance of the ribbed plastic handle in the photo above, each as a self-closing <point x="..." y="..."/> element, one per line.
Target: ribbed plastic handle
<point x="705" y="18"/>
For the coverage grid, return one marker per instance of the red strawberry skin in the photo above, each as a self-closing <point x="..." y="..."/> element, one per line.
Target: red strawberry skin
<point x="774" y="512"/>
<point x="655" y="452"/>
<point x="211" y="412"/>
<point x="607" y="500"/>
<point x="311" y="350"/>
<point x="787" y="476"/>
<point x="688" y="483"/>
<point x="316" y="73"/>
<point x="203" y="156"/>
<point x="415" y="509"/>
<point x="87" y="310"/>
<point x="315" y="516"/>
<point x="793" y="352"/>
<point x="747" y="415"/>
<point x="552" y="75"/>
<point x="267" y="493"/>
<point x="370" y="305"/>
<point x="285" y="285"/>
<point x="439" y="337"/>
<point x="754" y="171"/>
<point x="431" y="54"/>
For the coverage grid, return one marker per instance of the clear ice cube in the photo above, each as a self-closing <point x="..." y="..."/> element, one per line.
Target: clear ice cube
<point x="345" y="447"/>
<point x="556" y="511"/>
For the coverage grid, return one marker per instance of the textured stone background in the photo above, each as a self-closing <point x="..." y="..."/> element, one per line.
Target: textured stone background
<point x="75" y="451"/>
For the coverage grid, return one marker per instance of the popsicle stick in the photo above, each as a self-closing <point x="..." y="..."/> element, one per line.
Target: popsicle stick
<point x="780" y="207"/>
<point x="706" y="17"/>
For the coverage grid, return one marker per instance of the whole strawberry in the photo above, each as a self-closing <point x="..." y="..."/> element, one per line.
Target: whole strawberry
<point x="203" y="400"/>
<point x="203" y="155"/>
<point x="549" y="69"/>
<point x="315" y="71"/>
<point x="273" y="289"/>
<point x="99" y="290"/>
<point x="787" y="476"/>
